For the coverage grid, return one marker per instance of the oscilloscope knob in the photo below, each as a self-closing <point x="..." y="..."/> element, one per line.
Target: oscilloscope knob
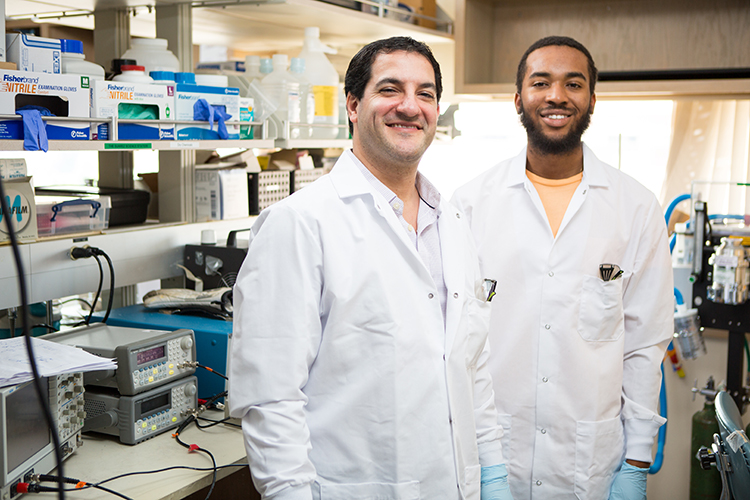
<point x="186" y="343"/>
<point x="190" y="390"/>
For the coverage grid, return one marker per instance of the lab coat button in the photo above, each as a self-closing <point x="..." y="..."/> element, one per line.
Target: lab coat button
<point x="544" y="431"/>
<point x="430" y="295"/>
<point x="538" y="483"/>
<point x="547" y="327"/>
<point x="551" y="274"/>
<point x="458" y="215"/>
<point x="455" y="295"/>
<point x="545" y="379"/>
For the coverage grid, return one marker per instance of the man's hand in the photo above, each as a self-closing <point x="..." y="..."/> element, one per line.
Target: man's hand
<point x="495" y="483"/>
<point x="629" y="483"/>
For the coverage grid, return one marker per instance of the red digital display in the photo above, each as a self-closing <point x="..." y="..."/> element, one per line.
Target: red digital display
<point x="149" y="355"/>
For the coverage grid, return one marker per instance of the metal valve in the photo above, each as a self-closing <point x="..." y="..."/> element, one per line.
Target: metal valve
<point x="706" y="458"/>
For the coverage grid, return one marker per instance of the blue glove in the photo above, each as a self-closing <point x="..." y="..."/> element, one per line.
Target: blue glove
<point x="629" y="483"/>
<point x="495" y="483"/>
<point x="202" y="110"/>
<point x="34" y="129"/>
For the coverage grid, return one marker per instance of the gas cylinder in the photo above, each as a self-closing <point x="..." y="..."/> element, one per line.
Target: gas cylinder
<point x="704" y="484"/>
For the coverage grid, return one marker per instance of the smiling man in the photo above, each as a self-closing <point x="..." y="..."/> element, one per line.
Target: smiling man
<point x="359" y="357"/>
<point x="583" y="311"/>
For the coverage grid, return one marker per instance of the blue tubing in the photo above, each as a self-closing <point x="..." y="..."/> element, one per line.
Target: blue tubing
<point x="659" y="458"/>
<point x="673" y="204"/>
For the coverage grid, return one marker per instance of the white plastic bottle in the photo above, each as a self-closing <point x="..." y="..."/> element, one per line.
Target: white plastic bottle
<point x="283" y="89"/>
<point x="325" y="81"/>
<point x="266" y="66"/>
<point x="152" y="54"/>
<point x="133" y="74"/>
<point x="252" y="68"/>
<point x="306" y="96"/>
<point x="74" y="62"/>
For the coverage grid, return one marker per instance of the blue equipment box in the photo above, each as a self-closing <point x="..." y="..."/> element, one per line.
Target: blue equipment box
<point x="211" y="339"/>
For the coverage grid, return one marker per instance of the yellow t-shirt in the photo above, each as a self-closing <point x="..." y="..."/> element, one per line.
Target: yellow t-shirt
<point x="555" y="195"/>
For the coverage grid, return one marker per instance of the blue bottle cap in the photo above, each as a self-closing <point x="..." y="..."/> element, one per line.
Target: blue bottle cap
<point x="75" y="46"/>
<point x="162" y="75"/>
<point x="184" y="77"/>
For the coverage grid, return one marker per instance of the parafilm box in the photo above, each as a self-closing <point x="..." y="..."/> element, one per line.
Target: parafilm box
<point x="19" y="194"/>
<point x="62" y="95"/>
<point x="139" y="101"/>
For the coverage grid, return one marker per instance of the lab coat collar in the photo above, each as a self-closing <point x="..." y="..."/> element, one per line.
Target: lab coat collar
<point x="593" y="170"/>
<point x="349" y="182"/>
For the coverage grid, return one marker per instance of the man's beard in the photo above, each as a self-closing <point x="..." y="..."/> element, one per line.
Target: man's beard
<point x="545" y="145"/>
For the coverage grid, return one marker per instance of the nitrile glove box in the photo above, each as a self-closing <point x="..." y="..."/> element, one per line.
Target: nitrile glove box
<point x="63" y="95"/>
<point x="33" y="53"/>
<point x="133" y="100"/>
<point x="186" y="97"/>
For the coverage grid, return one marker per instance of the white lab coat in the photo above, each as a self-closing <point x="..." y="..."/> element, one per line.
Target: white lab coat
<point x="575" y="360"/>
<point x="349" y="383"/>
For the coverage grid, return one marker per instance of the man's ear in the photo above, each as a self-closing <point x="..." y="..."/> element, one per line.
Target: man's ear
<point x="352" y="106"/>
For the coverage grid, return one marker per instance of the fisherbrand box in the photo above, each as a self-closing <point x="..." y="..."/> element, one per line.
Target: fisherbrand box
<point x="139" y="101"/>
<point x="62" y="95"/>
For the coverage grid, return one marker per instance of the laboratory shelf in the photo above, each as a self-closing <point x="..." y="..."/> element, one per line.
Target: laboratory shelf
<point x="313" y="143"/>
<point x="17" y="145"/>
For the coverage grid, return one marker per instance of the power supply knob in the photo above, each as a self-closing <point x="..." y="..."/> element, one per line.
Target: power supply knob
<point x="186" y="343"/>
<point x="190" y="390"/>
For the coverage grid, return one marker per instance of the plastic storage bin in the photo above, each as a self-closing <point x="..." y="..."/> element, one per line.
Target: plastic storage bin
<point x="267" y="187"/>
<point x="128" y="206"/>
<point x="59" y="215"/>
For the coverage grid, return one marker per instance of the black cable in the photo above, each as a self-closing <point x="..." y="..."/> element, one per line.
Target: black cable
<point x="41" y="394"/>
<point x="165" y="469"/>
<point x="212" y="371"/>
<point x="98" y="251"/>
<point x="195" y="447"/>
<point x="44" y="325"/>
<point x="213" y="423"/>
<point x="113" y="492"/>
<point x="98" y="290"/>
<point x="79" y="299"/>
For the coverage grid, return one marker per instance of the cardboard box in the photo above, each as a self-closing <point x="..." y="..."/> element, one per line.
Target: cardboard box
<point x="33" y="53"/>
<point x="186" y="97"/>
<point x="12" y="168"/>
<point x="424" y="7"/>
<point x="63" y="95"/>
<point x="8" y="65"/>
<point x="20" y="194"/>
<point x="120" y="99"/>
<point x="221" y="192"/>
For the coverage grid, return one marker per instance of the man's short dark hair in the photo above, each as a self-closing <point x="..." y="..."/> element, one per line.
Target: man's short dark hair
<point x="558" y="41"/>
<point x="359" y="72"/>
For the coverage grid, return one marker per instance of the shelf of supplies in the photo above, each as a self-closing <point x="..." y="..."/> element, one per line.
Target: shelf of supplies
<point x="313" y="143"/>
<point x="139" y="253"/>
<point x="256" y="26"/>
<point x="17" y="145"/>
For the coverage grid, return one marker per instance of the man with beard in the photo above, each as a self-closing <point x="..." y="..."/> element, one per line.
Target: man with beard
<point x="583" y="311"/>
<point x="359" y="357"/>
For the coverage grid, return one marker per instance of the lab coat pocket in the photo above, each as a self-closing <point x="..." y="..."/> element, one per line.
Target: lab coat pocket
<point x="408" y="490"/>
<point x="477" y="321"/>
<point x="472" y="482"/>
<point x="601" y="318"/>
<point x="599" y="450"/>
